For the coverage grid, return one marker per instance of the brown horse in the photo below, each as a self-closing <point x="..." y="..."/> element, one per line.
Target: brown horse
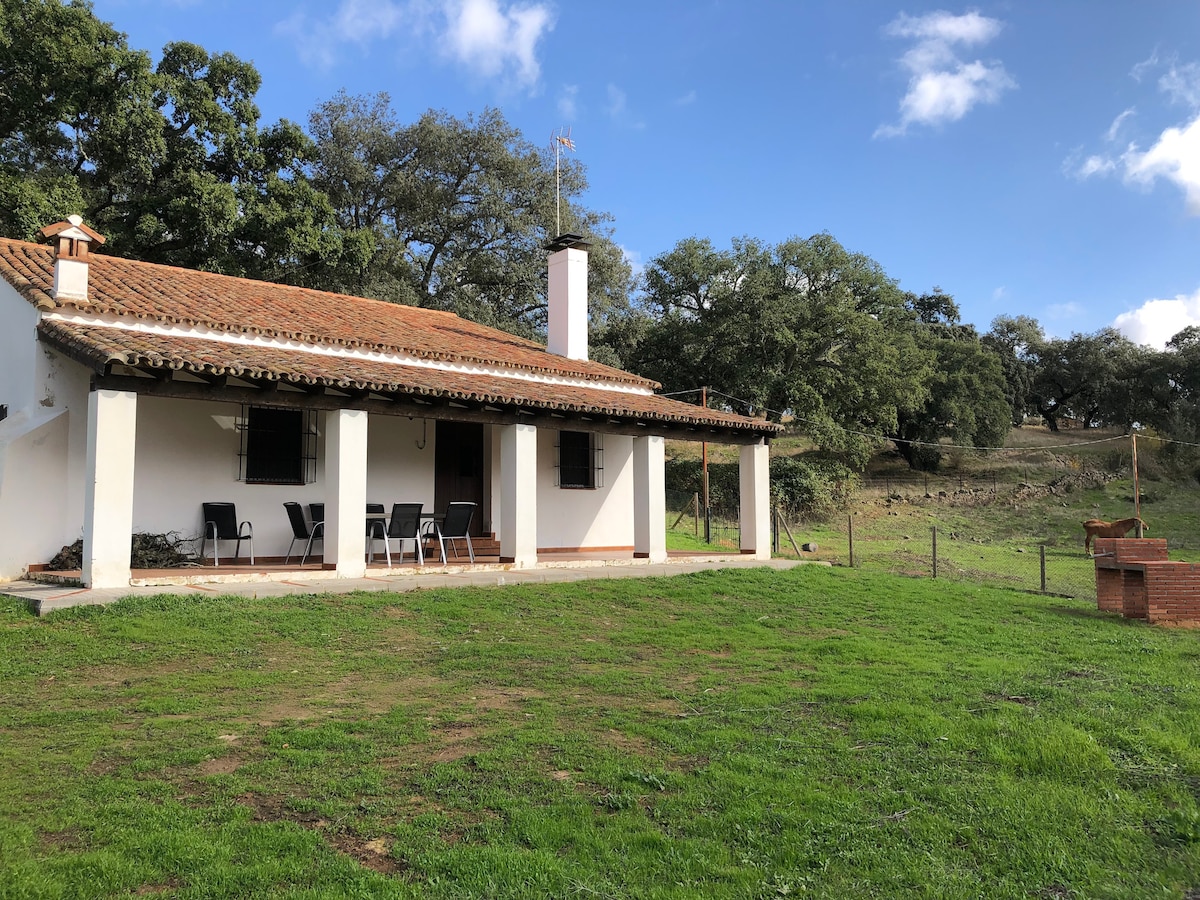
<point x="1099" y="528"/>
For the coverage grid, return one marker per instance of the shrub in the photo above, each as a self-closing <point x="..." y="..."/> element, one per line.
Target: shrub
<point x="810" y="487"/>
<point x="802" y="488"/>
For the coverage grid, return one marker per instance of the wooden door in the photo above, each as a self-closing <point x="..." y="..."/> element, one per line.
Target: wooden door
<point x="458" y="468"/>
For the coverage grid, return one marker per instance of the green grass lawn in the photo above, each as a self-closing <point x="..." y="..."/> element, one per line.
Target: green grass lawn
<point x="819" y="733"/>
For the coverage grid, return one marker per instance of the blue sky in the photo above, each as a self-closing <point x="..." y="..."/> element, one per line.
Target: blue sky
<point x="1038" y="158"/>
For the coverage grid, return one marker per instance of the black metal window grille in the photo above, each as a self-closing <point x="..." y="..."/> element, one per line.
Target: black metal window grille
<point x="580" y="460"/>
<point x="278" y="446"/>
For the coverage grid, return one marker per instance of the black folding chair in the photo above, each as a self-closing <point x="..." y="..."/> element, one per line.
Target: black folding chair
<point x="221" y="524"/>
<point x="455" y="526"/>
<point x="301" y="531"/>
<point x="405" y="525"/>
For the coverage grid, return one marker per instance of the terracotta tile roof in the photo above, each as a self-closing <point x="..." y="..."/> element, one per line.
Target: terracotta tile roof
<point x="145" y="291"/>
<point x="99" y="346"/>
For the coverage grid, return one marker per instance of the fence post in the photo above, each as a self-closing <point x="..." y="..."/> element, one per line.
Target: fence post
<point x="935" y="551"/>
<point x="1043" y="548"/>
<point x="775" y="532"/>
<point x="696" y="513"/>
<point x="850" y="532"/>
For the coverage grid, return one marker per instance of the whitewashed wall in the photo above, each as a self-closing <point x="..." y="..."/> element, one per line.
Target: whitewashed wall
<point x="41" y="490"/>
<point x="398" y="471"/>
<point x="571" y="518"/>
<point x="187" y="453"/>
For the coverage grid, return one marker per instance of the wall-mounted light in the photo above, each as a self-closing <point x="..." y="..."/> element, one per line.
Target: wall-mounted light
<point x="3" y="411"/>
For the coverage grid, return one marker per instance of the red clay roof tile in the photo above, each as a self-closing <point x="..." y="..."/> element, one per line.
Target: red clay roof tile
<point x="239" y="306"/>
<point x="100" y="346"/>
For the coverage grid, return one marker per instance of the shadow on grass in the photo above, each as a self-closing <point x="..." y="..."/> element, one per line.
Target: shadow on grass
<point x="1089" y="613"/>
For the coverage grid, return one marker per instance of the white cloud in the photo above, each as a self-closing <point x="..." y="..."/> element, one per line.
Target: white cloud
<point x="1151" y="62"/>
<point x="634" y="258"/>
<point x="1000" y="293"/>
<point x="1093" y="165"/>
<point x="1157" y="321"/>
<point x="1175" y="157"/>
<point x="492" y="39"/>
<point x="362" y="21"/>
<point x="1182" y="84"/>
<point x="1175" y="154"/>
<point x="495" y="41"/>
<point x="568" y="102"/>
<point x="941" y="26"/>
<point x="942" y="87"/>
<point x="1115" y="128"/>
<point x="687" y="99"/>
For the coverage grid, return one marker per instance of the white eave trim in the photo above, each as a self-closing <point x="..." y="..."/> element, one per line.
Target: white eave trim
<point x="200" y="332"/>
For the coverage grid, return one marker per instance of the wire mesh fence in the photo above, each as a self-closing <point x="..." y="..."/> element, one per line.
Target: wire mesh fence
<point x="691" y="527"/>
<point x="1021" y="564"/>
<point x="1033" y="555"/>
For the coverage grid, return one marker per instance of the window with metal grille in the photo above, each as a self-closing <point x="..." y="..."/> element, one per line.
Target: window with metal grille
<point x="580" y="460"/>
<point x="278" y="446"/>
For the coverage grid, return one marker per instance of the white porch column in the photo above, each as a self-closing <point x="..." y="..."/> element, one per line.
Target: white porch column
<point x="755" y="513"/>
<point x="649" y="499"/>
<point x="346" y="491"/>
<point x="518" y="495"/>
<point x="108" y="489"/>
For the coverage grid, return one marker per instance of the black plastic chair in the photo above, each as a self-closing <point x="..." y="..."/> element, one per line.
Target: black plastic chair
<point x="301" y="531"/>
<point x="376" y="529"/>
<point x="221" y="524"/>
<point x="405" y="525"/>
<point x="455" y="526"/>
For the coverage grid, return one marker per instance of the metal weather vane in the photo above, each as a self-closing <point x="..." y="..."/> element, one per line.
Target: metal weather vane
<point x="558" y="141"/>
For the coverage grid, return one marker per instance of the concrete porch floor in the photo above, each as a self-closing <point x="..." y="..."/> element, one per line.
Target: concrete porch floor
<point x="273" y="580"/>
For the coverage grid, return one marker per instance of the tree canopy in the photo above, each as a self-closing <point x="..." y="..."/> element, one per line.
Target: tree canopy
<point x="805" y="328"/>
<point x="171" y="162"/>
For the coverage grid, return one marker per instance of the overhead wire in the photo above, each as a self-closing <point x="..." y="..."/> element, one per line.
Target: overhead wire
<point x="750" y="405"/>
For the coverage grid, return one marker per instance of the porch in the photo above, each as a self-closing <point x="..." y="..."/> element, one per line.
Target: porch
<point x="61" y="590"/>
<point x="515" y="473"/>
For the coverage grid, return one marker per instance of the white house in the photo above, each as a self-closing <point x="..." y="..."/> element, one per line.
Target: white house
<point x="130" y="393"/>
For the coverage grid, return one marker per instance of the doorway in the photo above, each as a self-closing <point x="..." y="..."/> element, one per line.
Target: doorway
<point x="458" y="468"/>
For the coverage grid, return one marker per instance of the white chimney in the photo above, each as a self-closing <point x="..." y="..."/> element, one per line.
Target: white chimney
<point x="568" y="286"/>
<point x="71" y="258"/>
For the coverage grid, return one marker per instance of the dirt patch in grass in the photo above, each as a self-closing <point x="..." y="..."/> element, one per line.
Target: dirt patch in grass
<point x="223" y="765"/>
<point x="267" y="808"/>
<point x="374" y="854"/>
<point x="723" y="653"/>
<point x="457" y="741"/>
<point x="488" y="698"/>
<point x="105" y="764"/>
<point x="628" y="743"/>
<point x="68" y="840"/>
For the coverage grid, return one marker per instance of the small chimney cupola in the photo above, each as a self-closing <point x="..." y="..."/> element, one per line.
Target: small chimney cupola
<point x="568" y="297"/>
<point x="71" y="239"/>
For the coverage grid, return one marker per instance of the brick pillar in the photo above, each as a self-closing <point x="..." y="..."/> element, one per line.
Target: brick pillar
<point x="1109" y="597"/>
<point x="1134" y="592"/>
<point x="1172" y="592"/>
